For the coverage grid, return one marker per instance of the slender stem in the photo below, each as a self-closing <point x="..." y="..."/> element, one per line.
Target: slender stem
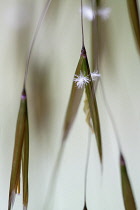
<point x="95" y="35"/>
<point x="111" y="116"/>
<point x="82" y="25"/>
<point x="97" y="43"/>
<point x="86" y="166"/>
<point x="41" y="18"/>
<point x="95" y="5"/>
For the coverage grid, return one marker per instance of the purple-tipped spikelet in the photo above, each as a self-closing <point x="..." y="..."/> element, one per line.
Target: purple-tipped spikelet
<point x="82" y="80"/>
<point x="91" y="98"/>
<point x="20" y="154"/>
<point x="21" y="147"/>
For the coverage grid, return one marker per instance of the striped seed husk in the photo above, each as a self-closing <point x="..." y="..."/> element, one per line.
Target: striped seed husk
<point x="89" y="88"/>
<point x="21" y="151"/>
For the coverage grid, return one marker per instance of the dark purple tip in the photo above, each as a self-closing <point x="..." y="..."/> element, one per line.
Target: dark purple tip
<point x="122" y="161"/>
<point x="83" y="52"/>
<point x="23" y="95"/>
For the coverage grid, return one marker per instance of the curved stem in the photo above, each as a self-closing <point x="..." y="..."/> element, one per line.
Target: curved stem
<point x="86" y="166"/>
<point x="43" y="14"/>
<point x="111" y="116"/>
<point x="96" y="60"/>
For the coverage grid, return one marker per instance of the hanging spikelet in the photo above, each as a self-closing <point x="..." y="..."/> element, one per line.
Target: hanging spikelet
<point x="21" y="148"/>
<point x="74" y="101"/>
<point x="129" y="201"/>
<point x="89" y="88"/>
<point x="83" y="79"/>
<point x="20" y="155"/>
<point x="134" y="16"/>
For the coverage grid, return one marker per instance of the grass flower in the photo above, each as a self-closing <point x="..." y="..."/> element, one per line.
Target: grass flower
<point x="83" y="79"/>
<point x="20" y="155"/>
<point x="21" y="147"/>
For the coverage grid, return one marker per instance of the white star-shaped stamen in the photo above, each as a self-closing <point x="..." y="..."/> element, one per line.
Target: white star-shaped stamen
<point x="90" y="14"/>
<point x="95" y="75"/>
<point x="81" y="80"/>
<point x="104" y="12"/>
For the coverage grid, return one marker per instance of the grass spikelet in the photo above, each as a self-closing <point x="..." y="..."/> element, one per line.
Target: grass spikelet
<point x="21" y="139"/>
<point x="128" y="197"/>
<point x="21" y="148"/>
<point x="89" y="88"/>
<point x="134" y="16"/>
<point x="83" y="80"/>
<point x="73" y="105"/>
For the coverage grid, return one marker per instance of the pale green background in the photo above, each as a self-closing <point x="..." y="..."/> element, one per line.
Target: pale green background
<point x="53" y="64"/>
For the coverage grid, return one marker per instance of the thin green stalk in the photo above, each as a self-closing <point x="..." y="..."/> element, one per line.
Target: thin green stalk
<point x="82" y="25"/>
<point x="86" y="169"/>
<point x="40" y="21"/>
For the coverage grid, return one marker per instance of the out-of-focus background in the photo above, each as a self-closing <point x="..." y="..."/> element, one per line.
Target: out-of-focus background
<point x="54" y="59"/>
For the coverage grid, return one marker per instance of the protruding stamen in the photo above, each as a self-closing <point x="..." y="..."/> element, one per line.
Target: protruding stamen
<point x="95" y="75"/>
<point x="90" y="14"/>
<point x="81" y="80"/>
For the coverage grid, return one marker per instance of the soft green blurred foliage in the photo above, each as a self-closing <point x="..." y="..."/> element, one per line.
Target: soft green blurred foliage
<point x="52" y="67"/>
